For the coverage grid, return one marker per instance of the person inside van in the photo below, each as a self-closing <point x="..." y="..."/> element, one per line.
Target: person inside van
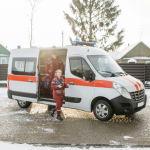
<point x="53" y="63"/>
<point x="58" y="85"/>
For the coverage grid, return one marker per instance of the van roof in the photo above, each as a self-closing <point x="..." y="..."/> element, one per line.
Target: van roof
<point x="75" y="49"/>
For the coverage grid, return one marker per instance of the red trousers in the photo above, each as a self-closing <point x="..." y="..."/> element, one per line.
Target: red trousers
<point x="59" y="102"/>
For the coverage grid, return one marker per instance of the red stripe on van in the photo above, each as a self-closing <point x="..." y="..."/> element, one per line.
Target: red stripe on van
<point x="125" y="77"/>
<point x="79" y="82"/>
<point x="98" y="83"/>
<point x="137" y="83"/>
<point x="104" y="84"/>
<point x="21" y="78"/>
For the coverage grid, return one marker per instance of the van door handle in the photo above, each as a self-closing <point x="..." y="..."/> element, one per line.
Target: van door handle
<point x="30" y="80"/>
<point x="71" y="83"/>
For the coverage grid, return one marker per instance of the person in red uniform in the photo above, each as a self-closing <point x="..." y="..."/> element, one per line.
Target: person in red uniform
<point x="53" y="63"/>
<point x="58" y="85"/>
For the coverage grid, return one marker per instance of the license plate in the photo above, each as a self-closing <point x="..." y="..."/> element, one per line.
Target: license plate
<point x="140" y="104"/>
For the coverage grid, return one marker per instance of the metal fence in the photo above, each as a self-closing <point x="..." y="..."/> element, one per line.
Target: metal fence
<point x="3" y="71"/>
<point x="139" y="71"/>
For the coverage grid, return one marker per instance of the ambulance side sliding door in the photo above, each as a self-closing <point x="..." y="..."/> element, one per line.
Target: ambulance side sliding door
<point x="80" y="91"/>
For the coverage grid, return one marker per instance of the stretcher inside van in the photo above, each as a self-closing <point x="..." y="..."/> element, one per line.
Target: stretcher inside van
<point x="97" y="82"/>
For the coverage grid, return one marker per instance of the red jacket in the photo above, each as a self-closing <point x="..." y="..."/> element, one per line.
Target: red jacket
<point x="52" y="65"/>
<point x="58" y="92"/>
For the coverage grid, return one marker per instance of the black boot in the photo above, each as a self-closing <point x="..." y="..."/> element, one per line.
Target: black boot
<point x="52" y="112"/>
<point x="59" y="117"/>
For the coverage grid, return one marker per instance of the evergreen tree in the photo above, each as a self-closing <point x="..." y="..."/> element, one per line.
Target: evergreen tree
<point x="92" y="17"/>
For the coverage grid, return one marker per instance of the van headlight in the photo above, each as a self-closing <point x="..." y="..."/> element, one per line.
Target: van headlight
<point x="121" y="90"/>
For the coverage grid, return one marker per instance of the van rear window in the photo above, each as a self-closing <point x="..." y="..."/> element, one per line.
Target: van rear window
<point x="24" y="66"/>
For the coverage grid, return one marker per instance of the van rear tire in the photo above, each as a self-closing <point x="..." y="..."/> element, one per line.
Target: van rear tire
<point x="103" y="110"/>
<point x="23" y="104"/>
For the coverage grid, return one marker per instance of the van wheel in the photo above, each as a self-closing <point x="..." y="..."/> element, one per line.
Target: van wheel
<point x="103" y="110"/>
<point x="23" y="104"/>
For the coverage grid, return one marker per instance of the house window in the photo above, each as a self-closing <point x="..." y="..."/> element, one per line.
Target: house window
<point x="3" y="60"/>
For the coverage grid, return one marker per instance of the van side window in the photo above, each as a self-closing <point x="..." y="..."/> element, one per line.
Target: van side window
<point x="24" y="66"/>
<point x="76" y="67"/>
<point x="85" y="66"/>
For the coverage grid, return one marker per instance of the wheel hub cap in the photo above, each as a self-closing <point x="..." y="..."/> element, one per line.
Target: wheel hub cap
<point x="102" y="110"/>
<point x="22" y="103"/>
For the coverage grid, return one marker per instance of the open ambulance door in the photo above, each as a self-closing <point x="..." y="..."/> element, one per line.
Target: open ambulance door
<point x="23" y="74"/>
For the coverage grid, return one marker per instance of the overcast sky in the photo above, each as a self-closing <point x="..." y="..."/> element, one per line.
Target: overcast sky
<point x="49" y="22"/>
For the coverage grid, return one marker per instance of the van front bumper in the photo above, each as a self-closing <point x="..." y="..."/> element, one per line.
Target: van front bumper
<point x="124" y="105"/>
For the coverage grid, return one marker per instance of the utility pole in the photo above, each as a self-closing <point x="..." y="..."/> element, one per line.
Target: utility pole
<point x="62" y="38"/>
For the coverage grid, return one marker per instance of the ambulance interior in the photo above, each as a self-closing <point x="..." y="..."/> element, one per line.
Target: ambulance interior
<point x="45" y="53"/>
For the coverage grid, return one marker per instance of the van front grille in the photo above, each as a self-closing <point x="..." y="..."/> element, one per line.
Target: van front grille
<point x="138" y="95"/>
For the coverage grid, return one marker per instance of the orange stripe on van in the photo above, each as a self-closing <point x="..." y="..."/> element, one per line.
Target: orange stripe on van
<point x="21" y="78"/>
<point x="130" y="80"/>
<point x="79" y="82"/>
<point x="104" y="84"/>
<point x="137" y="83"/>
<point x="96" y="83"/>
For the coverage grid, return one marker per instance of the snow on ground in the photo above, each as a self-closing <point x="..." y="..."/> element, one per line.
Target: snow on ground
<point x="3" y="82"/>
<point x="127" y="137"/>
<point x="3" y="92"/>
<point x="10" y="146"/>
<point x="148" y="96"/>
<point x="14" y="113"/>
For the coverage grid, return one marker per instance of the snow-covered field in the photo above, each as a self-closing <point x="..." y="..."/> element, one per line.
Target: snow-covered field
<point x="3" y="92"/>
<point x="10" y="146"/>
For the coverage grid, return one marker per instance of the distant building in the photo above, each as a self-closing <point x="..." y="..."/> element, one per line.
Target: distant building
<point x="4" y="55"/>
<point x="138" y="51"/>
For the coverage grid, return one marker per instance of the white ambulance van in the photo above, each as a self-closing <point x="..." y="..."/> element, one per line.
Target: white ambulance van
<point x="97" y="82"/>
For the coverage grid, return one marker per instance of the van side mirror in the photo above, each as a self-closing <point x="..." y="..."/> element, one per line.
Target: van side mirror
<point x="87" y="75"/>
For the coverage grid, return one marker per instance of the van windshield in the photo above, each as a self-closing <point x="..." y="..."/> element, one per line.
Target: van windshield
<point x="106" y="66"/>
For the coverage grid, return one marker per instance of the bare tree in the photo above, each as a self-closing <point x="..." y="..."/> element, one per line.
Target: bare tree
<point x="34" y="8"/>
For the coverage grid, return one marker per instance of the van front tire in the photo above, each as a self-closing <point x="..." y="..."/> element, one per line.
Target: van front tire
<point x="103" y="110"/>
<point x="23" y="104"/>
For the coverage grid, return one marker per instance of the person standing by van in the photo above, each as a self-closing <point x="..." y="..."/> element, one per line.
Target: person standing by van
<point x="53" y="63"/>
<point x="58" y="85"/>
